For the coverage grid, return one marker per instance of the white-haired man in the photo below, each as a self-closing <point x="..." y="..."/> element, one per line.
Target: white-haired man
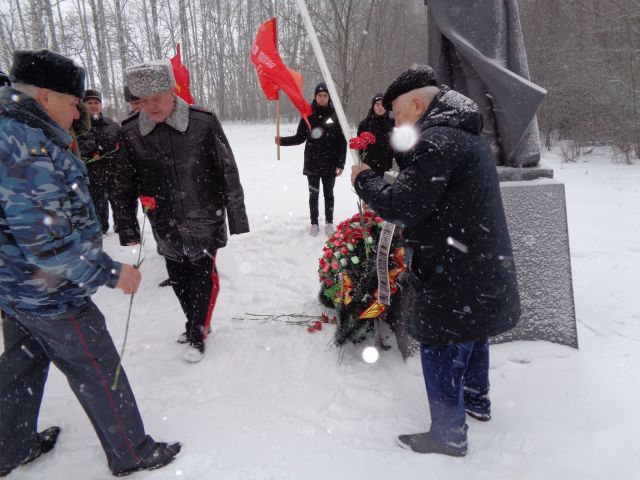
<point x="461" y="282"/>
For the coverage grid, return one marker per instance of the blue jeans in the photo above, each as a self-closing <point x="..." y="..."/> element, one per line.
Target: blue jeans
<point x="457" y="378"/>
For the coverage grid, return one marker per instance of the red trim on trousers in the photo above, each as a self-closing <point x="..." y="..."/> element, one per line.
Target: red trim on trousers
<point x="215" y="289"/>
<point x="105" y="385"/>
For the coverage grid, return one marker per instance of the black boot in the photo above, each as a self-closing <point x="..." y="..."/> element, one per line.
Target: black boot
<point x="48" y="439"/>
<point x="480" y="416"/>
<point x="427" y="443"/>
<point x="162" y="454"/>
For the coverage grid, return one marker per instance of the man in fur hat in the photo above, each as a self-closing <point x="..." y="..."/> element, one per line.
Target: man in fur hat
<point x="51" y="262"/>
<point x="178" y="156"/>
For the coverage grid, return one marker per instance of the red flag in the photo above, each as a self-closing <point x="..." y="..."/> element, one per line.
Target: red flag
<point x="181" y="75"/>
<point x="273" y="74"/>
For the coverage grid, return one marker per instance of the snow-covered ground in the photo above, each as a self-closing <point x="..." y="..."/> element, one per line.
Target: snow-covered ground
<point x="270" y="401"/>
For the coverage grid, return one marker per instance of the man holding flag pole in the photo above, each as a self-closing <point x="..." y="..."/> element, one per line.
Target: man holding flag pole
<point x="320" y="128"/>
<point x="274" y="75"/>
<point x="324" y="155"/>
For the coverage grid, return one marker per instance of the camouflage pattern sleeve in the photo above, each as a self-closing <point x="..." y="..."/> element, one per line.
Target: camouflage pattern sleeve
<point x="50" y="217"/>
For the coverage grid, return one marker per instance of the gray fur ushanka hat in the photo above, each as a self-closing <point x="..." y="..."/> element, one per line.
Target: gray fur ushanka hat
<point x="149" y="78"/>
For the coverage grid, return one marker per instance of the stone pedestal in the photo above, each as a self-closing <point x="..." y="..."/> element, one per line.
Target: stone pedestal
<point x="537" y="218"/>
<point x="535" y="206"/>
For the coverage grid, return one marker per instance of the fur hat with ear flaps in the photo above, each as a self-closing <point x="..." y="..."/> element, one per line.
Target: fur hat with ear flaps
<point x="148" y="78"/>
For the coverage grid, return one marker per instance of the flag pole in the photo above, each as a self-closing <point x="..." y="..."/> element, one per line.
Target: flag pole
<point x="278" y="125"/>
<point x="326" y="73"/>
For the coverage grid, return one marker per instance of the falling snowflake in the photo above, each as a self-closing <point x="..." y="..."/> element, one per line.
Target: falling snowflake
<point x="27" y="351"/>
<point x="370" y="354"/>
<point x="456" y="244"/>
<point x="404" y="138"/>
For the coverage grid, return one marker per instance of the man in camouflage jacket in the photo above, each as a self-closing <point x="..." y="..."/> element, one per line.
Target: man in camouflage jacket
<point x="51" y="262"/>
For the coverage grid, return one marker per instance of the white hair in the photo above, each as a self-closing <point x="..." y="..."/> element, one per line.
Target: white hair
<point x="426" y="94"/>
<point x="30" y="90"/>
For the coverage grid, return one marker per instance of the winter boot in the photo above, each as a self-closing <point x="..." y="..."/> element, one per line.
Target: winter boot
<point x="48" y="439"/>
<point x="183" y="338"/>
<point x="328" y="229"/>
<point x="480" y="416"/>
<point x="427" y="443"/>
<point x="162" y="454"/>
<point x="194" y="352"/>
<point x="314" y="230"/>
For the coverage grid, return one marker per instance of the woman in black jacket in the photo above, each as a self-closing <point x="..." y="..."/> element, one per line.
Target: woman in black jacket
<point x="379" y="156"/>
<point x="324" y="155"/>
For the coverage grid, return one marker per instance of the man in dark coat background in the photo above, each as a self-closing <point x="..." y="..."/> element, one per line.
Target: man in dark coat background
<point x="324" y="155"/>
<point x="98" y="148"/>
<point x="461" y="281"/>
<point x="379" y="156"/>
<point x="179" y="157"/>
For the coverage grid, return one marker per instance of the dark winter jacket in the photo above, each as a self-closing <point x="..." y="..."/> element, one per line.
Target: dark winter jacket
<point x="51" y="257"/>
<point x="80" y="126"/>
<point x="190" y="171"/>
<point x="326" y="148"/>
<point x="98" y="148"/>
<point x="379" y="156"/>
<point x="462" y="278"/>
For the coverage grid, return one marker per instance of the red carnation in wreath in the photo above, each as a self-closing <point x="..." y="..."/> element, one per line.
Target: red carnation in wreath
<point x="348" y="275"/>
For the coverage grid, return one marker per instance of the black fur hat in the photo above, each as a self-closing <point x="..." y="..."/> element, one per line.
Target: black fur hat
<point x="416" y="77"/>
<point x="47" y="69"/>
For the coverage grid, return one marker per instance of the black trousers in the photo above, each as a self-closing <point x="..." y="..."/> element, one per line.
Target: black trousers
<point x="314" y="194"/>
<point x="79" y="344"/>
<point x="196" y="284"/>
<point x="100" y="196"/>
